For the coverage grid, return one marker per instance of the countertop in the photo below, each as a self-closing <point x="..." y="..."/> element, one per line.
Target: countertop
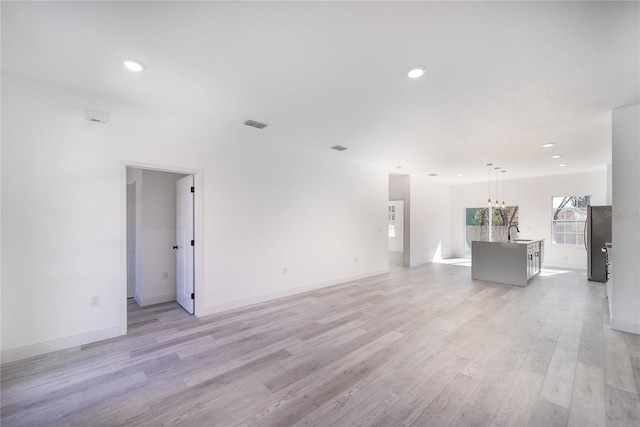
<point x="514" y="241"/>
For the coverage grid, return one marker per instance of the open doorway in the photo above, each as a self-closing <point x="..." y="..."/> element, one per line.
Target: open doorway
<point x="396" y="233"/>
<point x="156" y="218"/>
<point x="399" y="191"/>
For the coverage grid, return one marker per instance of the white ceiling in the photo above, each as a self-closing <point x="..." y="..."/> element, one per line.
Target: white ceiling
<point x="502" y="78"/>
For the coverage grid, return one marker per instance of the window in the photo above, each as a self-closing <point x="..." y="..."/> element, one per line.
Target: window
<point x="392" y="220"/>
<point x="477" y="225"/>
<point x="569" y="214"/>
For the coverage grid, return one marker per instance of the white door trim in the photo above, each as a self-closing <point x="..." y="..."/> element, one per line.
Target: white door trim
<point x="198" y="180"/>
<point x="131" y="240"/>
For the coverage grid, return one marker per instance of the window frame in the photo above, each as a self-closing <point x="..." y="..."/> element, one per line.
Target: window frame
<point x="576" y="225"/>
<point x="484" y="222"/>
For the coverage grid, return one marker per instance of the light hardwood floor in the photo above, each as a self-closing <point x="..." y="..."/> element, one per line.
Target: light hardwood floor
<point x="424" y="346"/>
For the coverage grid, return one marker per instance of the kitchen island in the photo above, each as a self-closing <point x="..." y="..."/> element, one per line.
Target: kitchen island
<point x="513" y="262"/>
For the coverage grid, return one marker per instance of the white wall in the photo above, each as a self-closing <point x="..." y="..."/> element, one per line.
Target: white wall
<point x="533" y="198"/>
<point x="609" y="184"/>
<point x="266" y="206"/>
<point x="431" y="221"/>
<point x="625" y="310"/>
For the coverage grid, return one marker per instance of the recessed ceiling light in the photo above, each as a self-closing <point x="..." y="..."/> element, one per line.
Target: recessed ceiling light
<point x="562" y="164"/>
<point x="134" y="65"/>
<point x="417" y="72"/>
<point x="433" y="174"/>
<point x="556" y="156"/>
<point x="547" y="145"/>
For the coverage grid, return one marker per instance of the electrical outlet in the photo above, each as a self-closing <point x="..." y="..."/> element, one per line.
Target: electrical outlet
<point x="355" y="259"/>
<point x="284" y="270"/>
<point x="94" y="300"/>
<point x="165" y="275"/>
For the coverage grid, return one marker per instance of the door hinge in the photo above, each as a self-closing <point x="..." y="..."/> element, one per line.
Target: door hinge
<point x="193" y="296"/>
<point x="193" y="243"/>
<point x="193" y="189"/>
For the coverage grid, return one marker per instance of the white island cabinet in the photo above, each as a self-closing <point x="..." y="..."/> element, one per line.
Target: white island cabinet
<point x="512" y="262"/>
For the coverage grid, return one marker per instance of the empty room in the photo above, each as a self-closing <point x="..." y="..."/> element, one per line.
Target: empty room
<point x="237" y="213"/>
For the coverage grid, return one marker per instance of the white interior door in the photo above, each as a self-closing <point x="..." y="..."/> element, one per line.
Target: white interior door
<point x="131" y="240"/>
<point x="184" y="243"/>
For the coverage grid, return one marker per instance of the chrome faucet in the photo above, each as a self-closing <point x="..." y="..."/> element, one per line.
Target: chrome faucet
<point x="509" y="231"/>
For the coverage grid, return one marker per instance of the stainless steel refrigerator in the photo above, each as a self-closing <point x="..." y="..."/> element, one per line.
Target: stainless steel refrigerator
<point x="597" y="232"/>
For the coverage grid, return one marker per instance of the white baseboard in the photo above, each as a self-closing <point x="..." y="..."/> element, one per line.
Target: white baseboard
<point x="156" y="299"/>
<point x="230" y="305"/>
<point x="621" y="325"/>
<point x="61" y="344"/>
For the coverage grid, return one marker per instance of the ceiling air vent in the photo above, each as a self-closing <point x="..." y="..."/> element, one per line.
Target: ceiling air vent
<point x="255" y="124"/>
<point x="96" y="116"/>
<point x="338" y="148"/>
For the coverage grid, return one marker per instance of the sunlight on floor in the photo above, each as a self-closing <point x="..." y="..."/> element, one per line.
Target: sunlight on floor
<point x="464" y="262"/>
<point x="548" y="272"/>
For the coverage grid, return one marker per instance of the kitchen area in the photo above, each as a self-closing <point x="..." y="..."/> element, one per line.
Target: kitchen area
<point x="610" y="187"/>
<point x="517" y="260"/>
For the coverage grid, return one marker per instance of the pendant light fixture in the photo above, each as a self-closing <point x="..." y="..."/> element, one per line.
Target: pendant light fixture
<point x="497" y="168"/>
<point x="504" y="206"/>
<point x="489" y="167"/>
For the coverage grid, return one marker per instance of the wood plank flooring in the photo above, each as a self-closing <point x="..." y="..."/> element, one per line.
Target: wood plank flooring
<point x="423" y="346"/>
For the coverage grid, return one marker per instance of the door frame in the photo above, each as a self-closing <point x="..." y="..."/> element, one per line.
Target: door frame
<point x="131" y="235"/>
<point x="198" y="181"/>
<point x="402" y="219"/>
<point x="406" y="232"/>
